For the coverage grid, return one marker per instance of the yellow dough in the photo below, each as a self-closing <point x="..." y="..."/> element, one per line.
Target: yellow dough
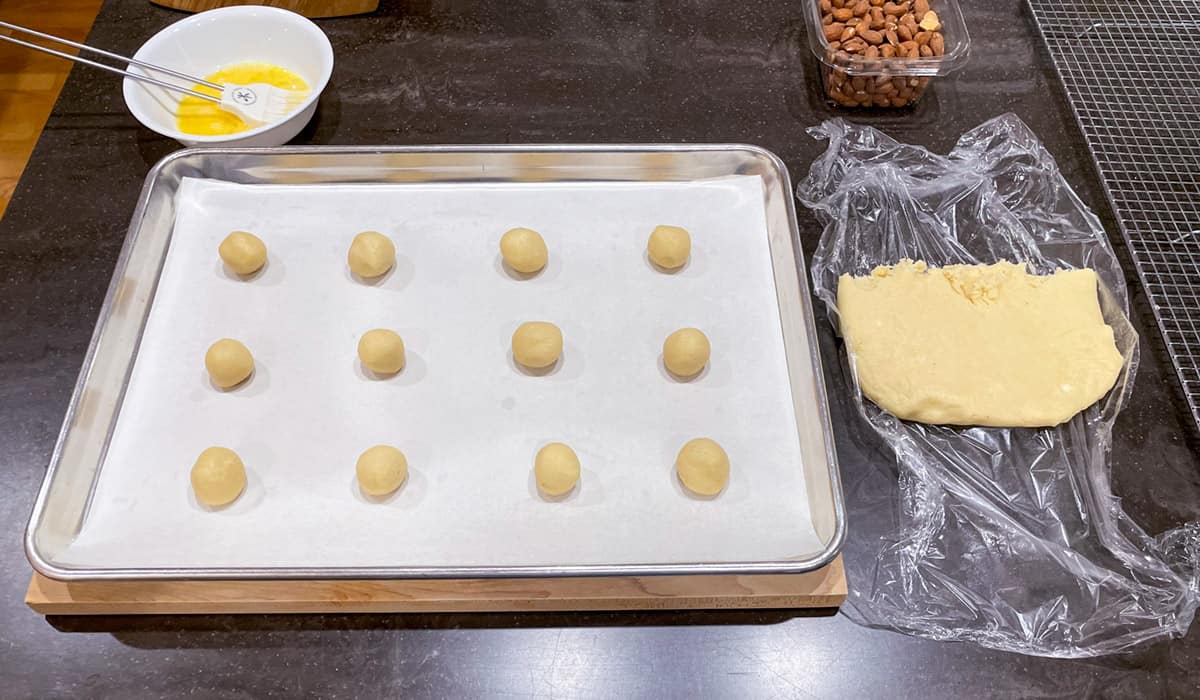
<point x="371" y="254"/>
<point x="218" y="476"/>
<point x="229" y="363"/>
<point x="978" y="344"/>
<point x="537" y="344"/>
<point x="243" y="252"/>
<point x="556" y="469"/>
<point x="685" y="352"/>
<point x="381" y="351"/>
<point x="381" y="470"/>
<point x="703" y="467"/>
<point x="523" y="250"/>
<point x="669" y="246"/>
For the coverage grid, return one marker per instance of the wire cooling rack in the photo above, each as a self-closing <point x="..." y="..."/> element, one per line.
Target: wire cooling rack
<point x="1131" y="69"/>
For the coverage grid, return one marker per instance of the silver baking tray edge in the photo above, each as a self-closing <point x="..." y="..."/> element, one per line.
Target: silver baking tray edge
<point x="62" y="502"/>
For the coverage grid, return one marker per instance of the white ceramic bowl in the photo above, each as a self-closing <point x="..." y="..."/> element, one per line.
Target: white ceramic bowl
<point x="206" y="42"/>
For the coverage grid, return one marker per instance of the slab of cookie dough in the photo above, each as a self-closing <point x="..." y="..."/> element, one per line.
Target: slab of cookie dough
<point x="978" y="344"/>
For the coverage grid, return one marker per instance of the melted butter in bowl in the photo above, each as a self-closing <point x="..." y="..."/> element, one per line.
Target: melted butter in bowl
<point x="204" y="118"/>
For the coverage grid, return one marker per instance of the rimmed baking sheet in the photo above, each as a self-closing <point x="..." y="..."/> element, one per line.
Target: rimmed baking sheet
<point x="469" y="420"/>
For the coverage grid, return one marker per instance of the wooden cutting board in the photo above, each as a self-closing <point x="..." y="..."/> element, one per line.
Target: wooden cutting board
<point x="308" y="8"/>
<point x="823" y="588"/>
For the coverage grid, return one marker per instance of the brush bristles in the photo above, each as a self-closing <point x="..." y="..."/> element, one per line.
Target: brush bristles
<point x="287" y="102"/>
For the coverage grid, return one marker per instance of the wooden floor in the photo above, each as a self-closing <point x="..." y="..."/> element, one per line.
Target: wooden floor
<point x="30" y="81"/>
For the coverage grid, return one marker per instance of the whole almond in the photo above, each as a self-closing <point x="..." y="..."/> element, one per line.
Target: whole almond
<point x="833" y="32"/>
<point x="843" y="14"/>
<point x="888" y="51"/>
<point x="847" y="34"/>
<point x="826" y="6"/>
<point x="904" y="33"/>
<point x="926" y="52"/>
<point x="862" y="8"/>
<point x="855" y="45"/>
<point x="920" y="7"/>
<point x="938" y="44"/>
<point x="872" y="52"/>
<point x="872" y="36"/>
<point x="922" y="38"/>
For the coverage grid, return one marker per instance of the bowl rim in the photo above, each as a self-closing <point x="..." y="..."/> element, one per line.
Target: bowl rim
<point x="297" y="19"/>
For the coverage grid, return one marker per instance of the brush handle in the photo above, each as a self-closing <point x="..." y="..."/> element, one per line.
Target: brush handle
<point x="111" y="69"/>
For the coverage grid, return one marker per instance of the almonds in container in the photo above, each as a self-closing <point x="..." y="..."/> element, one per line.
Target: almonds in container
<point x="882" y="53"/>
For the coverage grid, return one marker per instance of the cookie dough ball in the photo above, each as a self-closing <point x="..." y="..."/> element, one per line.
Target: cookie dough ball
<point x="669" y="247"/>
<point x="523" y="250"/>
<point x="685" y="352"/>
<point x="243" y="252"/>
<point x="229" y="363"/>
<point x="537" y="344"/>
<point x="381" y="351"/>
<point x="381" y="470"/>
<point x="703" y="467"/>
<point x="371" y="254"/>
<point x="218" y="476"/>
<point x="556" y="469"/>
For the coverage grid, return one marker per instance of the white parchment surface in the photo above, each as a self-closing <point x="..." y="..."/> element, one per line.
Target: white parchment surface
<point x="469" y="421"/>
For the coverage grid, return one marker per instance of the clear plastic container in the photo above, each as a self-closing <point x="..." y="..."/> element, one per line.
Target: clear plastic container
<point x="855" y="80"/>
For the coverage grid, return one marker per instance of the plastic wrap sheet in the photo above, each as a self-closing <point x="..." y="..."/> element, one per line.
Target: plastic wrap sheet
<point x="1010" y="538"/>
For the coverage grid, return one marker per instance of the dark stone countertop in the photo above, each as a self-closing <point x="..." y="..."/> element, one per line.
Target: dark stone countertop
<point x="455" y="71"/>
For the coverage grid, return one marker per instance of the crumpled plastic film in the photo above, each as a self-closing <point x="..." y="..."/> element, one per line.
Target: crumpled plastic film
<point x="1010" y="538"/>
